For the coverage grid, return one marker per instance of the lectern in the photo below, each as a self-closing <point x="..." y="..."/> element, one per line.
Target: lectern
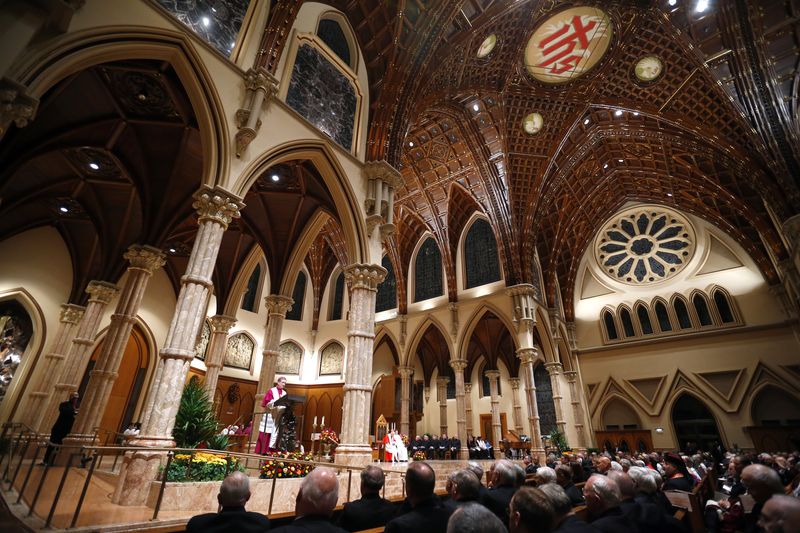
<point x="287" y="423"/>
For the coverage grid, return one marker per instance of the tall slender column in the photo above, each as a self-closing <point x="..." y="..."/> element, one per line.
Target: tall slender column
<point x="143" y="261"/>
<point x="554" y="369"/>
<point x="44" y="380"/>
<point x="517" y="406"/>
<point x="577" y="411"/>
<point x="458" y="366"/>
<point x="362" y="281"/>
<point x="100" y="294"/>
<point x="406" y="372"/>
<point x="468" y="408"/>
<point x="494" y="388"/>
<point x="215" y="355"/>
<point x="277" y="307"/>
<point x="527" y="356"/>
<point x="215" y="208"/>
<point x="441" y="391"/>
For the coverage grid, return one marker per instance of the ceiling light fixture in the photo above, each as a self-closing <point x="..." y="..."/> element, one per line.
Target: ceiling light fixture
<point x="63" y="209"/>
<point x="586" y="121"/>
<point x="411" y="143"/>
<point x="475" y="107"/>
<point x="94" y="166"/>
<point x="620" y="160"/>
<point x="669" y="194"/>
<point x="276" y="178"/>
<point x="206" y="21"/>
<point x="635" y="113"/>
<point x="701" y="6"/>
<point x="172" y="250"/>
<point x="605" y="166"/>
<point x="672" y="2"/>
<point x="618" y="112"/>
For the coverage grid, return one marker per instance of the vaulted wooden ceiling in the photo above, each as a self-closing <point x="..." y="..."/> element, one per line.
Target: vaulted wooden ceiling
<point x="716" y="135"/>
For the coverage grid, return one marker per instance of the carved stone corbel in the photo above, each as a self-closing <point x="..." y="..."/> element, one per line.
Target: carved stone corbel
<point x="260" y="87"/>
<point x="15" y="105"/>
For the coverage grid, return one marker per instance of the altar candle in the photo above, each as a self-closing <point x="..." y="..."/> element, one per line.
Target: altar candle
<point x="315" y="420"/>
<point x="323" y="420"/>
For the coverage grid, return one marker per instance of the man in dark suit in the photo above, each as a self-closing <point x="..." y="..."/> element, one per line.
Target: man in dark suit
<point x="564" y="479"/>
<point x="474" y="518"/>
<point x="233" y="495"/>
<point x="477" y="469"/>
<point x="463" y="488"/>
<point x="433" y="444"/>
<point x="566" y="521"/>
<point x="503" y="482"/>
<point x="427" y="512"/>
<point x="530" y="511"/>
<point x="603" y="499"/>
<point x="67" y="411"/>
<point x="314" y="503"/>
<point x="371" y="510"/>
<point x="443" y="445"/>
<point x="648" y="516"/>
<point x="455" y="447"/>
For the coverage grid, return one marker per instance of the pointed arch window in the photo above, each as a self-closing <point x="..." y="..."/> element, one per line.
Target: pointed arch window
<point x="701" y="307"/>
<point x="251" y="295"/>
<point x="724" y="307"/>
<point x="481" y="264"/>
<point x="644" y="319"/>
<point x="298" y="295"/>
<point x="338" y="297"/>
<point x="611" y="327"/>
<point x="627" y="323"/>
<point x="428" y="272"/>
<point x="331" y="33"/>
<point x="663" y="317"/>
<point x="387" y="291"/>
<point x="683" y="314"/>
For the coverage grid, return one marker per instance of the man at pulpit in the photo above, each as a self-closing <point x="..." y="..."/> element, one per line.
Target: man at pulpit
<point x="268" y="429"/>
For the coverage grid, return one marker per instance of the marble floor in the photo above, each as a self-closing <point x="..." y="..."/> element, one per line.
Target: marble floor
<point x="99" y="514"/>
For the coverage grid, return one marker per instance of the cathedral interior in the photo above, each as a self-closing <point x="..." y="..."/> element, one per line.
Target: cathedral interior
<point x="471" y="217"/>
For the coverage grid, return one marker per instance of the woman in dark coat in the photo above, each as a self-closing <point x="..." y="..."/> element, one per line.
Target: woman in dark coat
<point x="66" y="417"/>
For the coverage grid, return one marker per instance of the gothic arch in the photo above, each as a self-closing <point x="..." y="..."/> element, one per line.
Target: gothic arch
<point x="706" y="402"/>
<point x="429" y="321"/>
<point x="475" y="318"/>
<point x="384" y="334"/>
<point x="756" y="391"/>
<point x="254" y="257"/>
<point x="461" y="276"/>
<point x="411" y="282"/>
<point x="600" y="409"/>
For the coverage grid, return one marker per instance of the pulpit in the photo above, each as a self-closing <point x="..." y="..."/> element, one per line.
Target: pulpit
<point x="287" y="423"/>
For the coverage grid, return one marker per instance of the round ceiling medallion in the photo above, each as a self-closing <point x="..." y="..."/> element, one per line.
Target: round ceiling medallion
<point x="532" y="124"/>
<point x="644" y="244"/>
<point x="648" y="68"/>
<point x="487" y="46"/>
<point x="568" y="44"/>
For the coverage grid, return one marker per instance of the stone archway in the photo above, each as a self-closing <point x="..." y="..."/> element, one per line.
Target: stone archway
<point x="694" y="422"/>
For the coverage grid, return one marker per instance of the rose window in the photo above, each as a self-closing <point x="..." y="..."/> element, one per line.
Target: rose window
<point x="645" y="244"/>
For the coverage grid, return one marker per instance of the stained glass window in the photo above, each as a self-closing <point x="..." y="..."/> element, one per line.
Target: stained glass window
<point x="723" y="307"/>
<point x="701" y="306"/>
<point x="331" y="34"/>
<point x="611" y="327"/>
<point x="215" y="21"/>
<point x="298" y="295"/>
<point x="663" y="317"/>
<point x="428" y="272"/>
<point x="683" y="314"/>
<point x="627" y="323"/>
<point x="249" y="300"/>
<point x="544" y="400"/>
<point x="644" y="319"/>
<point x="480" y="255"/>
<point x="338" y="297"/>
<point x="387" y="291"/>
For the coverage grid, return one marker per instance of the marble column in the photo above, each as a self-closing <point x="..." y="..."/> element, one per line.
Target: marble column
<point x="497" y="431"/>
<point x="458" y="366"/>
<point x="143" y="261"/>
<point x="277" y="307"/>
<point x="362" y="280"/>
<point x="100" y="294"/>
<point x="441" y="392"/>
<point x="215" y="209"/>
<point x="468" y="408"/>
<point x="406" y="373"/>
<point x="44" y="380"/>
<point x="517" y="406"/>
<point x="554" y="369"/>
<point x="215" y="355"/>
<point x="527" y="356"/>
<point x="577" y="410"/>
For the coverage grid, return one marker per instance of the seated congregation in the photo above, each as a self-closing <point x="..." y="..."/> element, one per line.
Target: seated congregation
<point x="574" y="493"/>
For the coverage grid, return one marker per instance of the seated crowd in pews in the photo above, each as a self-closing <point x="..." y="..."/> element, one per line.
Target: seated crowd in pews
<point x="573" y="493"/>
<point x="435" y="447"/>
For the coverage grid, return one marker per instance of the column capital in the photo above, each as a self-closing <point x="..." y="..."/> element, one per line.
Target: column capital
<point x="514" y="383"/>
<point x="405" y="371"/>
<point x="217" y="204"/>
<point x="363" y="276"/>
<point x="442" y="381"/>
<point x="552" y="367"/>
<point x="71" y="313"/>
<point x="458" y="365"/>
<point x="467" y="387"/>
<point x="277" y="304"/>
<point x="492" y="374"/>
<point x="571" y="375"/>
<point x="145" y="258"/>
<point x="521" y="289"/>
<point x="528" y="355"/>
<point x="101" y="291"/>
<point x="221" y="323"/>
<point x="383" y="171"/>
<point x="260" y="79"/>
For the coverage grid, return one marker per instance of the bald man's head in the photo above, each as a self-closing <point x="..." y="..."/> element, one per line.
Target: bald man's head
<point x="761" y="482"/>
<point x="318" y="493"/>
<point x="626" y="486"/>
<point x="234" y="491"/>
<point x="420" y="480"/>
<point x="781" y="514"/>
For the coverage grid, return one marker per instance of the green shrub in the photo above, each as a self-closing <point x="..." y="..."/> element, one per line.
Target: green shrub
<point x="195" y="422"/>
